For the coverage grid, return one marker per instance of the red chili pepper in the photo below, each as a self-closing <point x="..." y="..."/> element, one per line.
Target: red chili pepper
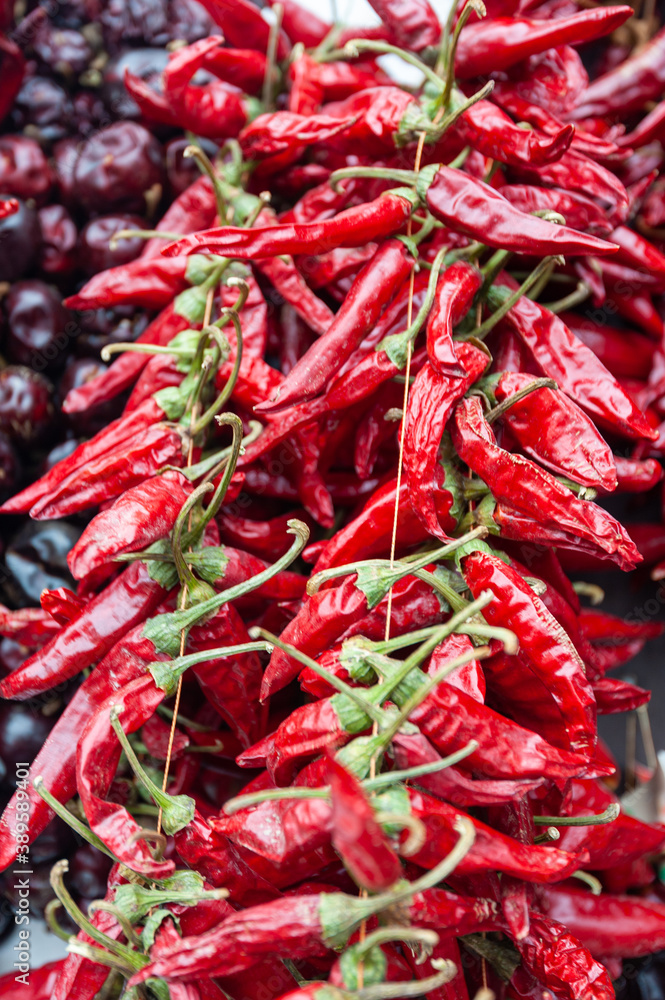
<point x="62" y="604"/>
<point x="452" y="784"/>
<point x="431" y="402"/>
<point x="125" y="602"/>
<point x="369" y="534"/>
<point x="454" y="294"/>
<point x="629" y="86"/>
<point x="30" y="627"/>
<point x="192" y="210"/>
<point x="561" y="964"/>
<point x="491" y="851"/>
<point x="579" y="211"/>
<point x="601" y="627"/>
<point x="39" y="986"/>
<point x="303" y="25"/>
<point x="577" y="172"/>
<point x="637" y="476"/>
<point x="412" y="23"/>
<point x="356" y="834"/>
<point x="624" y="353"/>
<point x="286" y="135"/>
<point x="244" y="68"/>
<point x="9" y="206"/>
<point x="352" y="227"/>
<point x="378" y="425"/>
<point x="471" y="207"/>
<point x="499" y="43"/>
<point x="376" y="118"/>
<point x="371" y="291"/>
<point x="105" y="478"/>
<point x="613" y="695"/>
<point x="487" y="129"/>
<point x="128" y="367"/>
<point x="608" y="844"/>
<point x="570" y="445"/>
<point x="139" y="516"/>
<point x="524" y="486"/>
<point x="242" y="25"/>
<point x="575" y="369"/>
<point x="97" y="758"/>
<point x="149" y="283"/>
<point x="609" y="925"/>
<point x="546" y="651"/>
<point x="161" y="372"/>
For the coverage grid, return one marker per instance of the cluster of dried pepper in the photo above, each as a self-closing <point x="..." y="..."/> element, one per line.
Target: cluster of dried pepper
<point x="353" y="292"/>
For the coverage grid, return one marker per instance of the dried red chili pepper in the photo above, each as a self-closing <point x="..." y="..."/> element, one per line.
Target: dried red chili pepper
<point x="356" y="834"/>
<point x="139" y="516"/>
<point x="454" y="294"/>
<point x="522" y="485"/>
<point x="244" y="68"/>
<point x="627" y="87"/>
<point x="431" y="403"/>
<point x="477" y="210"/>
<point x="494" y="134"/>
<point x="579" y="211"/>
<point x="350" y="228"/>
<point x="561" y="963"/>
<point x="242" y="25"/>
<point x="609" y="925"/>
<point x="414" y="24"/>
<point x="125" y="602"/>
<point x="570" y="446"/>
<point x="147" y="282"/>
<point x="575" y="369"/>
<point x="501" y="42"/>
<point x="371" y="291"/>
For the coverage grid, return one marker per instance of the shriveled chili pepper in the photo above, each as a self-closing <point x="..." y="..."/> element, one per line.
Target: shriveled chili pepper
<point x="575" y="369"/>
<point x="493" y="133"/>
<point x="549" y="653"/>
<point x="62" y="604"/>
<point x="623" y="353"/>
<point x="454" y="293"/>
<point x="579" y="211"/>
<point x="471" y="207"/>
<point x="561" y="963"/>
<point x="414" y="25"/>
<point x="97" y="758"/>
<point x="609" y="925"/>
<point x="31" y="627"/>
<point x="601" y="627"/>
<point x="522" y="485"/>
<point x="356" y="834"/>
<point x="107" y="477"/>
<point x="580" y="173"/>
<point x="242" y="25"/>
<point x="370" y="532"/>
<point x="451" y="783"/>
<point x="373" y="288"/>
<point x="637" y="476"/>
<point x="192" y="210"/>
<point x="501" y="42"/>
<point x="571" y="446"/>
<point x="126" y="601"/>
<point x="139" y="516"/>
<point x="351" y="228"/>
<point x="627" y="87"/>
<point x="431" y="403"/>
<point x="150" y="283"/>
<point x="613" y="695"/>
<point x="244" y="68"/>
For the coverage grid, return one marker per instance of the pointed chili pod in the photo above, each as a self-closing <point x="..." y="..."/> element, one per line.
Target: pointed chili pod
<point x="356" y="834"/>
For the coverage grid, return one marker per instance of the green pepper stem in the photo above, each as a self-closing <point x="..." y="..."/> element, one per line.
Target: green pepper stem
<point x="405" y="935"/>
<point x="483" y="631"/>
<point x="165" y="674"/>
<point x="481" y="11"/>
<point x="101" y="957"/>
<point x="406" y="177"/>
<point x="271" y="56"/>
<point x="235" y="423"/>
<point x="396" y="345"/>
<point x="67" y="817"/>
<point x="143" y="234"/>
<point x="127" y="955"/>
<point x="481" y="331"/>
<point x="185" y="575"/>
<point x="50" y="911"/>
<point x="417" y="832"/>
<point x="402" y="568"/>
<point x="116" y="912"/>
<point x="415" y="988"/>
<point x="214" y="409"/>
<point x="538" y="383"/>
<point x="138" y="348"/>
<point x="581" y="294"/>
<point x="594" y="884"/>
<point x="206" y="167"/>
<point x="607" y="816"/>
<point x="374" y="713"/>
<point x="177" y="810"/>
<point x="184" y="619"/>
<point x="355" y="46"/>
<point x="410" y="773"/>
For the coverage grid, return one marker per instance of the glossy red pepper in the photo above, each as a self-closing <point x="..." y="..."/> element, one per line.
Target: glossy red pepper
<point x="139" y="516"/>
<point x="455" y="291"/>
<point x="431" y="403"/>
<point x="412" y="23"/>
<point x="350" y="228"/>
<point x="477" y="210"/>
<point x="561" y="963"/>
<point x="242" y="25"/>
<point x="371" y="291"/>
<point x="629" y="86"/>
<point x="486" y="128"/>
<point x="147" y="282"/>
<point x="500" y="42"/>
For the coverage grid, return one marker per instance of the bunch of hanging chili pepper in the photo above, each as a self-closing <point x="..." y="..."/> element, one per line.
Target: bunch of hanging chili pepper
<point x="405" y="342"/>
